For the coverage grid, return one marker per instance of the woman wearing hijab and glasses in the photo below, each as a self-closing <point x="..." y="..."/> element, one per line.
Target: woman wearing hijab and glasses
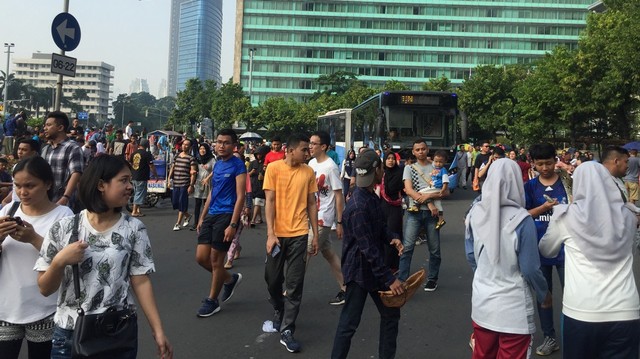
<point x="600" y="306"/>
<point x="500" y="243"/>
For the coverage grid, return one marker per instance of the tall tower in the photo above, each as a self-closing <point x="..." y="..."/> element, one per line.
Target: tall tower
<point x="195" y="42"/>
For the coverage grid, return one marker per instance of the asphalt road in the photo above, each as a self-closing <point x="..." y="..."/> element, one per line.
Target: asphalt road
<point x="433" y="325"/>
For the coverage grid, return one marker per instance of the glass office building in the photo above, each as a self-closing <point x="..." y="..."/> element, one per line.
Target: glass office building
<point x="411" y="41"/>
<point x="195" y="42"/>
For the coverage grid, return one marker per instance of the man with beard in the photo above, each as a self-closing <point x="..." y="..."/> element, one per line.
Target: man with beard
<point x="65" y="158"/>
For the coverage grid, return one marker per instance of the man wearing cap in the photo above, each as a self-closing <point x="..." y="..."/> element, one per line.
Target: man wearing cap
<point x="141" y="167"/>
<point x="365" y="235"/>
<point x="416" y="177"/>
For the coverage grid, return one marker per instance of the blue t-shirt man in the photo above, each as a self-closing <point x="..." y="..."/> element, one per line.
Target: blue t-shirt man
<point x="534" y="192"/>
<point x="223" y="185"/>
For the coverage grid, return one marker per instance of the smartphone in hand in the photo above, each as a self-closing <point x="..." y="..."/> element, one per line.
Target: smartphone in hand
<point x="275" y="250"/>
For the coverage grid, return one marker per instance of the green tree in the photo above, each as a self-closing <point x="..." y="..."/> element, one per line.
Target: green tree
<point x="608" y="53"/>
<point x="227" y="104"/>
<point x="336" y="83"/>
<point x="192" y="104"/>
<point x="395" y="85"/>
<point x="439" y="84"/>
<point x="488" y="98"/>
<point x="279" y="115"/>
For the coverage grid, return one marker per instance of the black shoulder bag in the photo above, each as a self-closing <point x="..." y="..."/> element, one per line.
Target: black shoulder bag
<point x="101" y="335"/>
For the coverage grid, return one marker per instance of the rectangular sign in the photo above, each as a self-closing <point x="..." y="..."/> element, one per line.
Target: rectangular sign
<point x="83" y="115"/>
<point x="63" y="65"/>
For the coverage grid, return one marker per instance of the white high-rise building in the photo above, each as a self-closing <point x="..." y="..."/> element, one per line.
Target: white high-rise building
<point x="139" y="85"/>
<point x="162" y="89"/>
<point x="95" y="77"/>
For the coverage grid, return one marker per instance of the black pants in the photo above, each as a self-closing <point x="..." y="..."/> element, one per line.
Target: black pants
<point x="286" y="271"/>
<point x="11" y="349"/>
<point x="394" y="224"/>
<point x="350" y="320"/>
<point x="605" y="340"/>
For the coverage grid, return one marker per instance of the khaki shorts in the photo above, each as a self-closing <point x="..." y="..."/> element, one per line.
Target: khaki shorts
<point x="324" y="239"/>
<point x="258" y="202"/>
<point x="632" y="188"/>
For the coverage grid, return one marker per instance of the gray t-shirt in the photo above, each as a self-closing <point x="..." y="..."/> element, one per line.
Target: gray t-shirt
<point x="632" y="171"/>
<point x="417" y="180"/>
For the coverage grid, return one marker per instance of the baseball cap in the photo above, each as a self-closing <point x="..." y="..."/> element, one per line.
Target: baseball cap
<point x="366" y="165"/>
<point x="144" y="142"/>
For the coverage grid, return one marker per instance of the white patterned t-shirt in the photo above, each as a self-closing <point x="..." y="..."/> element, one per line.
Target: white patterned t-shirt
<point x="110" y="259"/>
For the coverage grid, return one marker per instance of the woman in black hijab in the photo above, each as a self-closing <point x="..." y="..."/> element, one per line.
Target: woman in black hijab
<point x="391" y="193"/>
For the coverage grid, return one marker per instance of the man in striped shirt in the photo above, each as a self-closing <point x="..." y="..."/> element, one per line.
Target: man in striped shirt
<point x="183" y="172"/>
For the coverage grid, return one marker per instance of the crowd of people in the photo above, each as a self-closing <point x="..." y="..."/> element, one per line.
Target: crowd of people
<point x="537" y="209"/>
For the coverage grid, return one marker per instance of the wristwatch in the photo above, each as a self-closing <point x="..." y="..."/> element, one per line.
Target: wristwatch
<point x="338" y="222"/>
<point x="233" y="225"/>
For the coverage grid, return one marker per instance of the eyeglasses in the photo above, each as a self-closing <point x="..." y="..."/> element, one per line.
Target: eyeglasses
<point x="485" y="145"/>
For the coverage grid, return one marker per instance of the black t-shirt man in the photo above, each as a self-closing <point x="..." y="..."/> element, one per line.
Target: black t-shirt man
<point x="481" y="159"/>
<point x="140" y="169"/>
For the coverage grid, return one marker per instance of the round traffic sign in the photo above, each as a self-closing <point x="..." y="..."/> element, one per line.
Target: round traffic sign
<point x="65" y="31"/>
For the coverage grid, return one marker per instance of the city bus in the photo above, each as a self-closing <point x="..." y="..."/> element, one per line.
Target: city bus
<point x="395" y="119"/>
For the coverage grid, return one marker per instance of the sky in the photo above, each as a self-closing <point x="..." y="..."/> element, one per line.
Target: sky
<point x="132" y="35"/>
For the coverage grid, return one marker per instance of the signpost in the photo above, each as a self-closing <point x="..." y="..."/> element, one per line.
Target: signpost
<point x="83" y="116"/>
<point x="65" y="31"/>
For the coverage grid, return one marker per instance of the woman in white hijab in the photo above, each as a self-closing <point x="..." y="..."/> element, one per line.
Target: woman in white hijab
<point x="501" y="246"/>
<point x="601" y="308"/>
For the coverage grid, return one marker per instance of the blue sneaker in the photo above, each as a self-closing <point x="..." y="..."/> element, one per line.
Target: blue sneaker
<point x="229" y="289"/>
<point x="286" y="339"/>
<point x="209" y="307"/>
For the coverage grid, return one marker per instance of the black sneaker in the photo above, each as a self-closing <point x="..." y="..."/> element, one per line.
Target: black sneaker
<point x="339" y="299"/>
<point x="229" y="289"/>
<point x="431" y="286"/>
<point x="286" y="339"/>
<point x="277" y="320"/>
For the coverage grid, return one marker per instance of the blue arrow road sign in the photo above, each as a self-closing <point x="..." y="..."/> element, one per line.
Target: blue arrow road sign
<point x="65" y="31"/>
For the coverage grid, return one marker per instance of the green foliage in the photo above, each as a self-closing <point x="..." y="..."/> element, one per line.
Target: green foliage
<point x="337" y="83"/>
<point x="395" y="85"/>
<point x="228" y="105"/>
<point x="439" y="84"/>
<point x="488" y="97"/>
<point x="144" y="108"/>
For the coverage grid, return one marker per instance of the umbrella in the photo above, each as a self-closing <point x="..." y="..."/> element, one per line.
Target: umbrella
<point x="632" y="146"/>
<point x="250" y="136"/>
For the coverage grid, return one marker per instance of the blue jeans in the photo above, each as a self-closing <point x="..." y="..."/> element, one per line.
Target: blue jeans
<point x="62" y="344"/>
<point x="546" y="315"/>
<point x="413" y="223"/>
<point x="355" y="298"/>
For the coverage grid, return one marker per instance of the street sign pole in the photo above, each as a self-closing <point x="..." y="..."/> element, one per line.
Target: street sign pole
<point x="59" y="84"/>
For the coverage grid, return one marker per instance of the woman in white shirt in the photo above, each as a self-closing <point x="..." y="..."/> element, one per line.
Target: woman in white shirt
<point x="24" y="312"/>
<point x="600" y="305"/>
<point x="113" y="254"/>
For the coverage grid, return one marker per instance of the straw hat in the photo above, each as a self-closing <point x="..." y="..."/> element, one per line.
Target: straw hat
<point x="410" y="286"/>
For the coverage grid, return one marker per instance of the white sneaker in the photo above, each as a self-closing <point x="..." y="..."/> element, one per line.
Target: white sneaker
<point x="186" y="219"/>
<point x="176" y="227"/>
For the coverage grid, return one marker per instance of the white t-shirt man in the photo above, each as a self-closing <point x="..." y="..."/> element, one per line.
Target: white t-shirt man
<point x="328" y="179"/>
<point x="128" y="131"/>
